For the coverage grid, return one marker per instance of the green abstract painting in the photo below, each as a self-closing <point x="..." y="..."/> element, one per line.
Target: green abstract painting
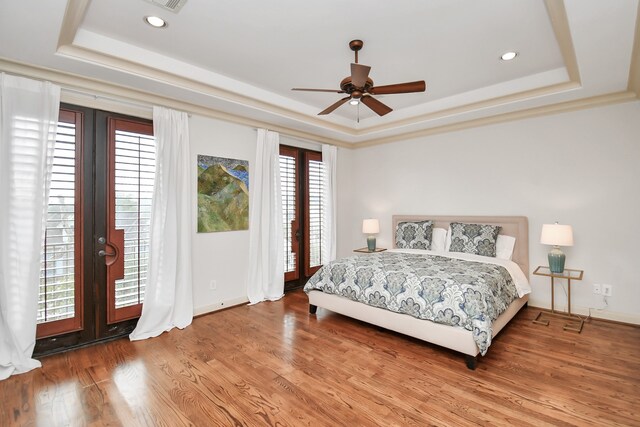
<point x="223" y="194"/>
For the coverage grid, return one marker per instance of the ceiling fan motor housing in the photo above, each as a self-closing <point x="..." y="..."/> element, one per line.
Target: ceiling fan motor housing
<point x="349" y="88"/>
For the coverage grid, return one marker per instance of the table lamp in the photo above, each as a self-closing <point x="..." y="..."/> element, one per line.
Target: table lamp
<point x="371" y="226"/>
<point x="556" y="235"/>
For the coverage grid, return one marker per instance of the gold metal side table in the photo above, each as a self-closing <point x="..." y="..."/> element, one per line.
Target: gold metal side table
<point x="569" y="275"/>
<point x="367" y="251"/>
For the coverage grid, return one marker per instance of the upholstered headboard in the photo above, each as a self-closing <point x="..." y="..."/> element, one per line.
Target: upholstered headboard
<point x="515" y="226"/>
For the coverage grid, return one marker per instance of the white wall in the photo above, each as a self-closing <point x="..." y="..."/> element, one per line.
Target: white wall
<point x="345" y="202"/>
<point x="580" y="168"/>
<point x="221" y="257"/>
<point x="220" y="260"/>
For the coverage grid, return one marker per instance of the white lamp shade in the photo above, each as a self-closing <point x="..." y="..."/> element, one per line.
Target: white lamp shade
<point x="370" y="226"/>
<point x="556" y="235"/>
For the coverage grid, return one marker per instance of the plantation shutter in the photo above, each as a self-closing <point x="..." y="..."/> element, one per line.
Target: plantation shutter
<point x="58" y="271"/>
<point x="315" y="212"/>
<point x="134" y="177"/>
<point x="289" y="184"/>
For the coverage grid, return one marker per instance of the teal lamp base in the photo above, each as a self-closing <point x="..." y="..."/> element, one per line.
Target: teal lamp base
<point x="556" y="260"/>
<point x="371" y="243"/>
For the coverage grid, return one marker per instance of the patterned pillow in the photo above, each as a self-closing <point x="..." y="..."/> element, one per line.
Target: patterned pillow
<point x="414" y="235"/>
<point x="478" y="239"/>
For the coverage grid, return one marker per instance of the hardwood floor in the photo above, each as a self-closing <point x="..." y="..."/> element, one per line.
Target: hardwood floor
<point x="275" y="364"/>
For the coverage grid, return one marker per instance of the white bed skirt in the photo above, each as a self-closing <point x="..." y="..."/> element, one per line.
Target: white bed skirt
<point x="455" y="338"/>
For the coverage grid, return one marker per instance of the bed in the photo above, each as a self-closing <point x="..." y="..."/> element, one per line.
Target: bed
<point x="434" y="331"/>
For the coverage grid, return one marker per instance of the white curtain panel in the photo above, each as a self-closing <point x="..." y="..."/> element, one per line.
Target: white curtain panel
<point x="266" y="241"/>
<point x="329" y="234"/>
<point x="28" y="123"/>
<point x="168" y="300"/>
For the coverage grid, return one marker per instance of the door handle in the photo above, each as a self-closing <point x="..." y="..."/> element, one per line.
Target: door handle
<point x="110" y="253"/>
<point x="113" y="254"/>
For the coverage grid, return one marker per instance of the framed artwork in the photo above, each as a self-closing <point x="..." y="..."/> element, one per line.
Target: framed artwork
<point x="223" y="194"/>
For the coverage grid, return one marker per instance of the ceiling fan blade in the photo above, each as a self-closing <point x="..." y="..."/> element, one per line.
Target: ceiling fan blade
<point x="378" y="107"/>
<point x="319" y="90"/>
<point x="359" y="74"/>
<point x="409" y="87"/>
<point x="334" y="106"/>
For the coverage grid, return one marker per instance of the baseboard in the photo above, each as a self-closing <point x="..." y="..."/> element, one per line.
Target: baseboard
<point x="627" y="318"/>
<point x="199" y="311"/>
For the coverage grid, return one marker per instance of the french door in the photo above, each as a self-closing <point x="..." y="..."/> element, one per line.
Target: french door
<point x="302" y="184"/>
<point x="96" y="241"/>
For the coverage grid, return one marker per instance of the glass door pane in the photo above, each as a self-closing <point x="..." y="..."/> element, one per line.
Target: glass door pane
<point x="314" y="213"/>
<point x="60" y="289"/>
<point x="132" y="150"/>
<point x="289" y="188"/>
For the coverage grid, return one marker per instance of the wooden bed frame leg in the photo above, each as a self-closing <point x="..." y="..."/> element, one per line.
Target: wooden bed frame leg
<point x="471" y="361"/>
<point x="313" y="308"/>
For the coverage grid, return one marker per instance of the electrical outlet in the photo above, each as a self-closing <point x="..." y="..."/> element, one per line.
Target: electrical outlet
<point x="597" y="289"/>
<point x="213" y="285"/>
<point x="606" y="290"/>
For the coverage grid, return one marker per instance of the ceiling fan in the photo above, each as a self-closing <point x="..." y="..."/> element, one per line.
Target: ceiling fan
<point x="360" y="87"/>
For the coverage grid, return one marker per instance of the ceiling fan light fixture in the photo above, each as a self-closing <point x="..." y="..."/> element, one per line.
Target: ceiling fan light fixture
<point x="508" y="56"/>
<point x="354" y="102"/>
<point x="155" y="21"/>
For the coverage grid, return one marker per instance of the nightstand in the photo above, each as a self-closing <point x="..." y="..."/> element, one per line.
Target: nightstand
<point x="569" y="275"/>
<point x="367" y="251"/>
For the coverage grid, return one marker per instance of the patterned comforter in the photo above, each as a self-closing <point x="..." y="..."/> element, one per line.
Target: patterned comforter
<point x="445" y="290"/>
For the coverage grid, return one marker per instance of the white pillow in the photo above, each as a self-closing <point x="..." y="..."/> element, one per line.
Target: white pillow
<point x="438" y="239"/>
<point x="504" y="246"/>
<point x="447" y="244"/>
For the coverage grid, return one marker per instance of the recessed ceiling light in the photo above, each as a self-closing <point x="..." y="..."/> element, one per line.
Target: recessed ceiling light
<point x="508" y="56"/>
<point x="155" y="21"/>
<point x="354" y="102"/>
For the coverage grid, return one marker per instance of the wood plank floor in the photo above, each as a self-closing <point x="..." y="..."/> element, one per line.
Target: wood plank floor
<point x="274" y="364"/>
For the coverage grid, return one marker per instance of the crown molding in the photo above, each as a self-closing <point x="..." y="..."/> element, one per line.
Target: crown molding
<point x="560" y="23"/>
<point x="135" y="100"/>
<point x="76" y="9"/>
<point x="98" y="93"/>
<point x="104" y="60"/>
<point x="468" y="108"/>
<point x="73" y="17"/>
<point x="563" y="107"/>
